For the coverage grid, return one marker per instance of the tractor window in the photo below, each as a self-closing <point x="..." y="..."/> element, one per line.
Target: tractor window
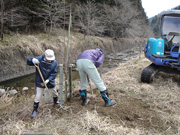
<point x="170" y="24"/>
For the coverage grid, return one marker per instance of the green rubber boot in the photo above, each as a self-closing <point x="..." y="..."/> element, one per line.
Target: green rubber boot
<point x="34" y="112"/>
<point x="106" y="99"/>
<point x="83" y="94"/>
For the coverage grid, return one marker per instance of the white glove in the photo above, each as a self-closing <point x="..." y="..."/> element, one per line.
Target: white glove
<point x="35" y="61"/>
<point x="46" y="81"/>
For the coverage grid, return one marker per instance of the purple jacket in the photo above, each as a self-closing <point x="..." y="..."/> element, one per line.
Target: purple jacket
<point x="97" y="57"/>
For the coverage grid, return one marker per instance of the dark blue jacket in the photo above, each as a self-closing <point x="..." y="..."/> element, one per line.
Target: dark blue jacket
<point x="48" y="70"/>
<point x="97" y="57"/>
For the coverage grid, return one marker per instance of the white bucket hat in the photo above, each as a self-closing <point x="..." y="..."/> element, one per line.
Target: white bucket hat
<point x="49" y="54"/>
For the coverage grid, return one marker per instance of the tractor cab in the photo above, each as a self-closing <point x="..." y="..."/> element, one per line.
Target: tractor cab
<point x="163" y="52"/>
<point x="170" y="29"/>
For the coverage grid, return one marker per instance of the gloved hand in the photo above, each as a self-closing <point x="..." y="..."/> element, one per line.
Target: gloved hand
<point x="35" y="61"/>
<point x="46" y="81"/>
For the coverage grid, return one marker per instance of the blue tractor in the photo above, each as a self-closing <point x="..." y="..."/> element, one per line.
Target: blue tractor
<point x="164" y="52"/>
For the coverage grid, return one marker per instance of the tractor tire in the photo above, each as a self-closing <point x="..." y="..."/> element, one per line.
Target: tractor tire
<point x="149" y="73"/>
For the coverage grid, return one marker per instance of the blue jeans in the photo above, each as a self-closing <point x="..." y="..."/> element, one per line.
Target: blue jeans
<point x="87" y="67"/>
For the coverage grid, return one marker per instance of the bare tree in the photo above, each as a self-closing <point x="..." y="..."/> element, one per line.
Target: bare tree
<point x="116" y="21"/>
<point x="13" y="15"/>
<point x="16" y="17"/>
<point x="115" y="24"/>
<point x="52" y="13"/>
<point x="123" y="22"/>
<point x="47" y="14"/>
<point x="89" y="19"/>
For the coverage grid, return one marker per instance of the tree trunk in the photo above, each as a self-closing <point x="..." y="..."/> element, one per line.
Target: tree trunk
<point x="12" y="19"/>
<point x="2" y="18"/>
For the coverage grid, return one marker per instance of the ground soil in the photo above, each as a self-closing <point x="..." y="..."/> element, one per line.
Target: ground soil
<point x="128" y="111"/>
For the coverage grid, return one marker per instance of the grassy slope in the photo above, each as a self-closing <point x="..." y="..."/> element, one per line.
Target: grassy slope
<point x="15" y="50"/>
<point x="140" y="109"/>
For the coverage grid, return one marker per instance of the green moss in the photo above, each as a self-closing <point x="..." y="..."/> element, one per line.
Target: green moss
<point x="98" y="92"/>
<point x="132" y="93"/>
<point x="137" y="60"/>
<point x="96" y="43"/>
<point x="10" y="39"/>
<point x="73" y="85"/>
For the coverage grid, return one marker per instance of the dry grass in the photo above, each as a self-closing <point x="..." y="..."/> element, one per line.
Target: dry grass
<point x="5" y="101"/>
<point x="91" y="121"/>
<point x="162" y="95"/>
<point x="28" y="44"/>
<point x="157" y="101"/>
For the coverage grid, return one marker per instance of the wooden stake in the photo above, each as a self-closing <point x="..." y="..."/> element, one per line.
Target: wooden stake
<point x="61" y="84"/>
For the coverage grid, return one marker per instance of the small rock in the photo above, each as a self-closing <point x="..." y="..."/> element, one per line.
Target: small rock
<point x="25" y="89"/>
<point x="120" y="54"/>
<point x="110" y="57"/>
<point x="32" y="88"/>
<point x="13" y="92"/>
<point x="2" y="91"/>
<point x="126" y="59"/>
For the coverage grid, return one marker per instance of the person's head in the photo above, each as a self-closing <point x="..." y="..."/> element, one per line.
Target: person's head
<point x="99" y="49"/>
<point x="49" y="55"/>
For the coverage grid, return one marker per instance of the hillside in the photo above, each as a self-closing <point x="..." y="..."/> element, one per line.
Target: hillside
<point x="30" y="27"/>
<point x="141" y="108"/>
<point x="15" y="51"/>
<point x="117" y="18"/>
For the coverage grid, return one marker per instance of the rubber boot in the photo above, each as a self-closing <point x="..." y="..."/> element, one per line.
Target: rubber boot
<point x="106" y="99"/>
<point x="83" y="94"/>
<point x="34" y="112"/>
<point x="55" y="99"/>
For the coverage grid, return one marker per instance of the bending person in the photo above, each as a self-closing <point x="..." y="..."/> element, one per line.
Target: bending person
<point x="87" y="64"/>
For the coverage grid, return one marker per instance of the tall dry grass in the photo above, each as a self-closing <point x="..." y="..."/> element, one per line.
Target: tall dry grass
<point x="5" y="101"/>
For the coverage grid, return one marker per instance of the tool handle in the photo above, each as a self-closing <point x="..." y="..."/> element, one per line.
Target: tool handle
<point x="89" y="81"/>
<point x="37" y="66"/>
